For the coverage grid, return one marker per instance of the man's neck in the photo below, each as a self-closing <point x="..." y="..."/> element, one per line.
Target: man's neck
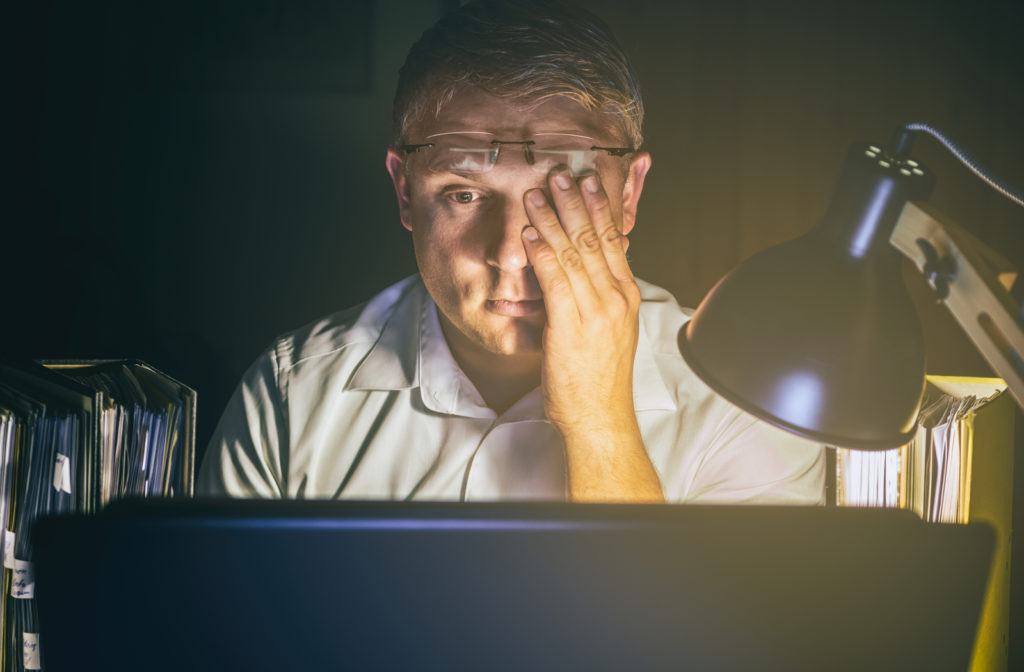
<point x="501" y="380"/>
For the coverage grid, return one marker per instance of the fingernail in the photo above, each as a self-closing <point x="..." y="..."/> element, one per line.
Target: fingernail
<point x="591" y="183"/>
<point x="531" y="234"/>
<point x="537" y="197"/>
<point x="562" y="180"/>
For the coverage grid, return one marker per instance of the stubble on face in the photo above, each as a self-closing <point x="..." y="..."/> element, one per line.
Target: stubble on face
<point x="477" y="303"/>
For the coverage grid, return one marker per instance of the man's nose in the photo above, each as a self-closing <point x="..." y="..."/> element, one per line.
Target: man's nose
<point x="505" y="250"/>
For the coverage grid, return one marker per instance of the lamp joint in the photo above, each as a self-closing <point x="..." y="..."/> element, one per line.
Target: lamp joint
<point x="939" y="271"/>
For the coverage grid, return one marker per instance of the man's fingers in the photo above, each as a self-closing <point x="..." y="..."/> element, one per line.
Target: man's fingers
<point x="574" y="204"/>
<point x="613" y="243"/>
<point x="559" y="299"/>
<point x="575" y="265"/>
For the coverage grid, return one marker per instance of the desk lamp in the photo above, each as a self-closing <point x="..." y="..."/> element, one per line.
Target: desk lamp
<point x="818" y="336"/>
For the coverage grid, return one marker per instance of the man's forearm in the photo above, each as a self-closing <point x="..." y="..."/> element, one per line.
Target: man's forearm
<point x="576" y="245"/>
<point x="609" y="463"/>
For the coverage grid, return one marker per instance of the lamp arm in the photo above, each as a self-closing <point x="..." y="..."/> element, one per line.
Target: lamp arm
<point x="976" y="292"/>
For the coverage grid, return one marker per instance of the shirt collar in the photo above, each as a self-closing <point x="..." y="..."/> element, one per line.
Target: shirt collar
<point x="443" y="386"/>
<point x="411" y="351"/>
<point x="649" y="391"/>
<point x="391" y="363"/>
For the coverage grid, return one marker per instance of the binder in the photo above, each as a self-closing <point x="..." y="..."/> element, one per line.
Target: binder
<point x="60" y="426"/>
<point x="50" y="430"/>
<point x="180" y="477"/>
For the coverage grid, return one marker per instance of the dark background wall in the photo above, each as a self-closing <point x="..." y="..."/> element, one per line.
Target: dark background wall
<point x="187" y="180"/>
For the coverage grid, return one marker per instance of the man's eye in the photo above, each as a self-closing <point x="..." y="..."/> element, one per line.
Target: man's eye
<point x="464" y="197"/>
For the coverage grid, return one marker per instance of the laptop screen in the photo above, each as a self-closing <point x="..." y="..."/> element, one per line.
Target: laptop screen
<point x="252" y="585"/>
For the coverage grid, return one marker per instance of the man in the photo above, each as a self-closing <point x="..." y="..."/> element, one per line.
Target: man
<point x="524" y="361"/>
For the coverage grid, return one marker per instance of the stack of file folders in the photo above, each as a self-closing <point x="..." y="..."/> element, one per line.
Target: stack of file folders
<point x="958" y="468"/>
<point x="932" y="474"/>
<point x="73" y="436"/>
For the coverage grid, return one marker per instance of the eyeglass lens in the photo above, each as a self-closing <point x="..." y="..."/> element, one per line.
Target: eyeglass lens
<point x="480" y="153"/>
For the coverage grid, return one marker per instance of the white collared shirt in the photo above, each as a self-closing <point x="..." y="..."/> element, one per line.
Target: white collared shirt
<point x="369" y="403"/>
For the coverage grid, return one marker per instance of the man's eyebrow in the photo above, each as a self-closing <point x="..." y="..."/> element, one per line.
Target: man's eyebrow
<point x="438" y="135"/>
<point x="442" y="171"/>
<point x="574" y="134"/>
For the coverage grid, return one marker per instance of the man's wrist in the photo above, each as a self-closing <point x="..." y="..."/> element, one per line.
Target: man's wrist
<point x="600" y="432"/>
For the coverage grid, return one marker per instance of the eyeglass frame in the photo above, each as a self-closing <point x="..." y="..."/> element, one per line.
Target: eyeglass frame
<point x="527" y="154"/>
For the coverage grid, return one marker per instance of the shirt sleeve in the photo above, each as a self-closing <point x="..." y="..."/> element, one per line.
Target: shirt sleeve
<point x="752" y="462"/>
<point x="243" y="458"/>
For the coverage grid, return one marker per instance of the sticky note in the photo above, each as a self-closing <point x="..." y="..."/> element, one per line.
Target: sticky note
<point x="8" y="549"/>
<point x="62" y="474"/>
<point x="30" y="651"/>
<point x="23" y="583"/>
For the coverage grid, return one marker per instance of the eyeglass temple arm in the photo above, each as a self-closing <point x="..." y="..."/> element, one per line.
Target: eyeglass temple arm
<point x="410" y="149"/>
<point x="615" y="151"/>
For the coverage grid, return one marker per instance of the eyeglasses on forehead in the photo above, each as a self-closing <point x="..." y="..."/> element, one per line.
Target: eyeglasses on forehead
<point x="478" y="152"/>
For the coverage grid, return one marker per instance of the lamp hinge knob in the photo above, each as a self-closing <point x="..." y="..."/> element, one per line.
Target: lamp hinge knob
<point x="939" y="271"/>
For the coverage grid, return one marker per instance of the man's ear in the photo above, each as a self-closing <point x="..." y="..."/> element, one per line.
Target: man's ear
<point x="396" y="168"/>
<point x="638" y="167"/>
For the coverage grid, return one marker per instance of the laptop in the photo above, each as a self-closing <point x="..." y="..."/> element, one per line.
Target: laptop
<point x="256" y="585"/>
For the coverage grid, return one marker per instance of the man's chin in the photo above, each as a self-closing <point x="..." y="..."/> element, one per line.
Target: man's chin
<point x="518" y="348"/>
<point x="517" y="340"/>
<point x="498" y="334"/>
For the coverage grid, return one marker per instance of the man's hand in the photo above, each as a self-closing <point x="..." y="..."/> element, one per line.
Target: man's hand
<point x="577" y="251"/>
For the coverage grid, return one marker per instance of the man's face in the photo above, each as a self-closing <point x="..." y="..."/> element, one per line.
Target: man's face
<point x="467" y="225"/>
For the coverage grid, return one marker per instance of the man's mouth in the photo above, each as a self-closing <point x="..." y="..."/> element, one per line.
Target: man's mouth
<point x="512" y="308"/>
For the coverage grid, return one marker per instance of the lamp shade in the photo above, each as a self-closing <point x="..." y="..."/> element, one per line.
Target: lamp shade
<point x="818" y="335"/>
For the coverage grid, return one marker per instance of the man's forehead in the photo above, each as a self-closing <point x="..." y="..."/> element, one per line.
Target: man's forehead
<point x="476" y="110"/>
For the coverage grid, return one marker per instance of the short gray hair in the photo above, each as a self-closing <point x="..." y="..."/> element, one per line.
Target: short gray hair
<point x="525" y="52"/>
